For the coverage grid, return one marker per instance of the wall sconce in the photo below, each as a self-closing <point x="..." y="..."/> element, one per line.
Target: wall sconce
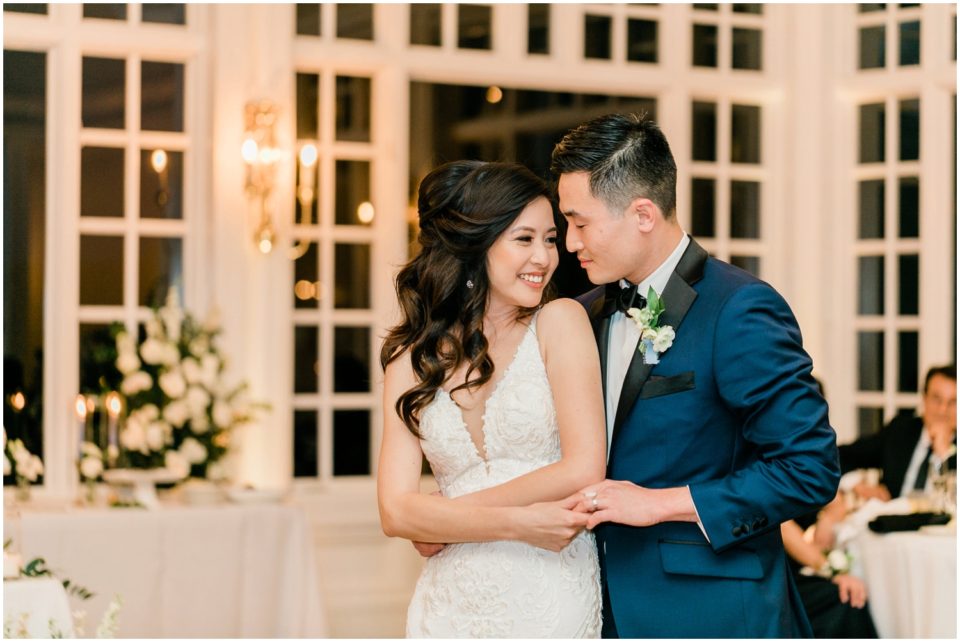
<point x="158" y="161"/>
<point x="306" y="193"/>
<point x="261" y="156"/>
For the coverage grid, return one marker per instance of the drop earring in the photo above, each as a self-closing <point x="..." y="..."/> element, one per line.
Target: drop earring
<point x="469" y="284"/>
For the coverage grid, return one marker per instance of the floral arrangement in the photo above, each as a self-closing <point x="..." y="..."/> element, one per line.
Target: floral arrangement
<point x="20" y="462"/>
<point x="180" y="410"/>
<point x="654" y="338"/>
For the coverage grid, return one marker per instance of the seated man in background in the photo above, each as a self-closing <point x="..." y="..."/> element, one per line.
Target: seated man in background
<point x="906" y="447"/>
<point x="835" y="600"/>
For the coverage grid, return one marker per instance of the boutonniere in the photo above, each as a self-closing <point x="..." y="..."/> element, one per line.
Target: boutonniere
<point x="655" y="339"/>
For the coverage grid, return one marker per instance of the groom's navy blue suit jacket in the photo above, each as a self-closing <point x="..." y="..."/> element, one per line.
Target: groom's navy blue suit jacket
<point x="733" y="412"/>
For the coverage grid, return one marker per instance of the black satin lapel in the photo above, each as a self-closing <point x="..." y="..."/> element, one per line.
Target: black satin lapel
<point x="601" y="331"/>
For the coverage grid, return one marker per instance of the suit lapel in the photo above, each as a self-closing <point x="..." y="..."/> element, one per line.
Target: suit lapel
<point x="677" y="298"/>
<point x="601" y="330"/>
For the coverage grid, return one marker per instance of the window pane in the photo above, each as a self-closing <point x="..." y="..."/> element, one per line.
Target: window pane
<point x="909" y="283"/>
<point x="161" y="106"/>
<point x="104" y="87"/>
<point x="352" y="276"/>
<point x="642" y="40"/>
<point x="910" y="43"/>
<point x="24" y="246"/>
<point x="353" y="108"/>
<point x="747" y="8"/>
<point x="867" y="7"/>
<point x="596" y="36"/>
<point x="744" y="209"/>
<point x="703" y="207"/>
<point x="870" y="421"/>
<point x="910" y="129"/>
<point x="425" y="24"/>
<point x="307" y="182"/>
<point x="305" y="429"/>
<point x="538" y="28"/>
<point x="353" y="205"/>
<point x="749" y="263"/>
<point x="351" y="360"/>
<point x="161" y="184"/>
<point x="873" y="51"/>
<point x="704" y="45"/>
<point x="909" y="207"/>
<point x="704" y="131"/>
<point x="101" y="181"/>
<point x="745" y="134"/>
<point x="474" y="27"/>
<point x="871" y="285"/>
<point x="306" y="354"/>
<point x="308" y="92"/>
<point x="171" y="14"/>
<point x="351" y="442"/>
<point x="870" y="359"/>
<point x="747" y="48"/>
<point x="355" y="21"/>
<point x="308" y="19"/>
<point x="25" y="8"/>
<point x="872" y="134"/>
<point x="101" y="270"/>
<point x="909" y="356"/>
<point x="105" y="11"/>
<point x="161" y="267"/>
<point x="306" y="279"/>
<point x="871" y="209"/>
<point x="705" y="6"/>
<point x="97" y="358"/>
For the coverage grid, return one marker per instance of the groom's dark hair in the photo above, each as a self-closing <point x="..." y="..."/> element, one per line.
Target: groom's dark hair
<point x="627" y="157"/>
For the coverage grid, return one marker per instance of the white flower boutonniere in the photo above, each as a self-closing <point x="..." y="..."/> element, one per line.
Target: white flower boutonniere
<point x="654" y="338"/>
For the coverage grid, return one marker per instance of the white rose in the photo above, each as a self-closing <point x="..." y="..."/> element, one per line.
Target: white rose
<point x="664" y="339"/>
<point x="127" y="362"/>
<point x="7" y="465"/>
<point x="838" y="561"/>
<point x="171" y="355"/>
<point x="648" y="334"/>
<point x="20" y="455"/>
<point x="199" y="400"/>
<point x="193" y="451"/>
<point x="150" y="412"/>
<point x="176" y="413"/>
<point x="90" y="449"/>
<point x="133" y="436"/>
<point x="154" y="327"/>
<point x="152" y="351"/>
<point x="222" y="414"/>
<point x="175" y="463"/>
<point x="199" y="425"/>
<point x="91" y="467"/>
<point x="32" y="469"/>
<point x="199" y="346"/>
<point x="156" y="435"/>
<point x="136" y="382"/>
<point x="172" y="384"/>
<point x="191" y="370"/>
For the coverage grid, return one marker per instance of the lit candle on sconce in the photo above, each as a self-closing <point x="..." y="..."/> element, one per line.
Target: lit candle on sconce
<point x="306" y="181"/>
<point x="80" y="409"/>
<point x="158" y="161"/>
<point x="114" y="406"/>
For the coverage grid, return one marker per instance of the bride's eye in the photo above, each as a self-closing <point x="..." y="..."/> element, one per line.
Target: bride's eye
<point x="551" y="240"/>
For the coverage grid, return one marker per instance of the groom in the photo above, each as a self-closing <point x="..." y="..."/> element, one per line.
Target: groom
<point x="716" y="432"/>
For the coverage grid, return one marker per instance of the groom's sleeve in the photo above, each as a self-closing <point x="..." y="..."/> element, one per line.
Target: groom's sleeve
<point x="763" y="375"/>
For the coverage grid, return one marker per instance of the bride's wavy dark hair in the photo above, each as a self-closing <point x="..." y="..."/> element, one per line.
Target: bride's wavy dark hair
<point x="464" y="206"/>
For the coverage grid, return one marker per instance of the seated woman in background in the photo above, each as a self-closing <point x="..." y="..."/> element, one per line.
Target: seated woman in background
<point x="836" y="603"/>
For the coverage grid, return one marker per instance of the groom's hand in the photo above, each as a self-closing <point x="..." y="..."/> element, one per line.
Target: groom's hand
<point x="624" y="502"/>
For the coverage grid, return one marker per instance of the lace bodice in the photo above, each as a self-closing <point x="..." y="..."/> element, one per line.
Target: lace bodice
<point x="503" y="589"/>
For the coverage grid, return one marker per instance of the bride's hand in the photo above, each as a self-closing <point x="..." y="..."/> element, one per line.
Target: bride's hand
<point x="552" y="525"/>
<point x="427" y="549"/>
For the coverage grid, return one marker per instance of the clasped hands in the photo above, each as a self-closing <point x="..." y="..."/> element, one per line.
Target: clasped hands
<point x="553" y="525"/>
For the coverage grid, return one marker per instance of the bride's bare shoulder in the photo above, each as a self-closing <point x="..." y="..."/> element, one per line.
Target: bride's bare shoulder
<point x="562" y="318"/>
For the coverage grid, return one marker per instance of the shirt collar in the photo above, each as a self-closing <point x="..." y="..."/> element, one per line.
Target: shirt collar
<point x="658" y="279"/>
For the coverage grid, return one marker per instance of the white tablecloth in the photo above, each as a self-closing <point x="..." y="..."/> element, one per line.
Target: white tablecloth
<point x="185" y="571"/>
<point x="912" y="582"/>
<point x="38" y="605"/>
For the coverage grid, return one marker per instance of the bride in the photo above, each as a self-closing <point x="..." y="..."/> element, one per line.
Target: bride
<point x="502" y="394"/>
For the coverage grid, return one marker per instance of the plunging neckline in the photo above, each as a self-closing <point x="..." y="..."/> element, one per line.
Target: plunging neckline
<point x="482" y="456"/>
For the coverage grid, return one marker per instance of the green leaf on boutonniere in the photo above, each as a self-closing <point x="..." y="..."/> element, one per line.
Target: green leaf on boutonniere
<point x="655" y="306"/>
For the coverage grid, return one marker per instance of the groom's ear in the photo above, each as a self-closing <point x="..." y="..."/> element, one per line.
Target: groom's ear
<point x="645" y="212"/>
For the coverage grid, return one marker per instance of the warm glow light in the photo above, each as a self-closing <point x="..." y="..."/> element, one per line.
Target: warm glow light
<point x="494" y="94"/>
<point x="18" y="401"/>
<point x="265" y="244"/>
<point x="249" y="151"/>
<point x="80" y="407"/>
<point x="91" y="404"/>
<point x="113" y="405"/>
<point x="308" y="155"/>
<point x="365" y="212"/>
<point x="304" y="290"/>
<point x="158" y="160"/>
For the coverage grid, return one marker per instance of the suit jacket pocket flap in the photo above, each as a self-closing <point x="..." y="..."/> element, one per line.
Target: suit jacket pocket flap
<point x="657" y="386"/>
<point x="694" y="558"/>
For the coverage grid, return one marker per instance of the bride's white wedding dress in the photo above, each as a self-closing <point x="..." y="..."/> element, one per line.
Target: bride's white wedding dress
<point x="503" y="589"/>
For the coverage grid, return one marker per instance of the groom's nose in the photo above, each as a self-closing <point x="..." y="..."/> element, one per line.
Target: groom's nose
<point x="573" y="242"/>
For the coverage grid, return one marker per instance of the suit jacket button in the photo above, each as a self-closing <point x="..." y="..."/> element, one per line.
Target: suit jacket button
<point x="760" y="523"/>
<point x="737" y="531"/>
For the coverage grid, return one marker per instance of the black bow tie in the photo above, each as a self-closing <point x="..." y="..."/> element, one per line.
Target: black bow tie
<point x="622" y="299"/>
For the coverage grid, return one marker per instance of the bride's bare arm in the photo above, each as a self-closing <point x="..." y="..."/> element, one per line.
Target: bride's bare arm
<point x="405" y="512"/>
<point x="573" y="369"/>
